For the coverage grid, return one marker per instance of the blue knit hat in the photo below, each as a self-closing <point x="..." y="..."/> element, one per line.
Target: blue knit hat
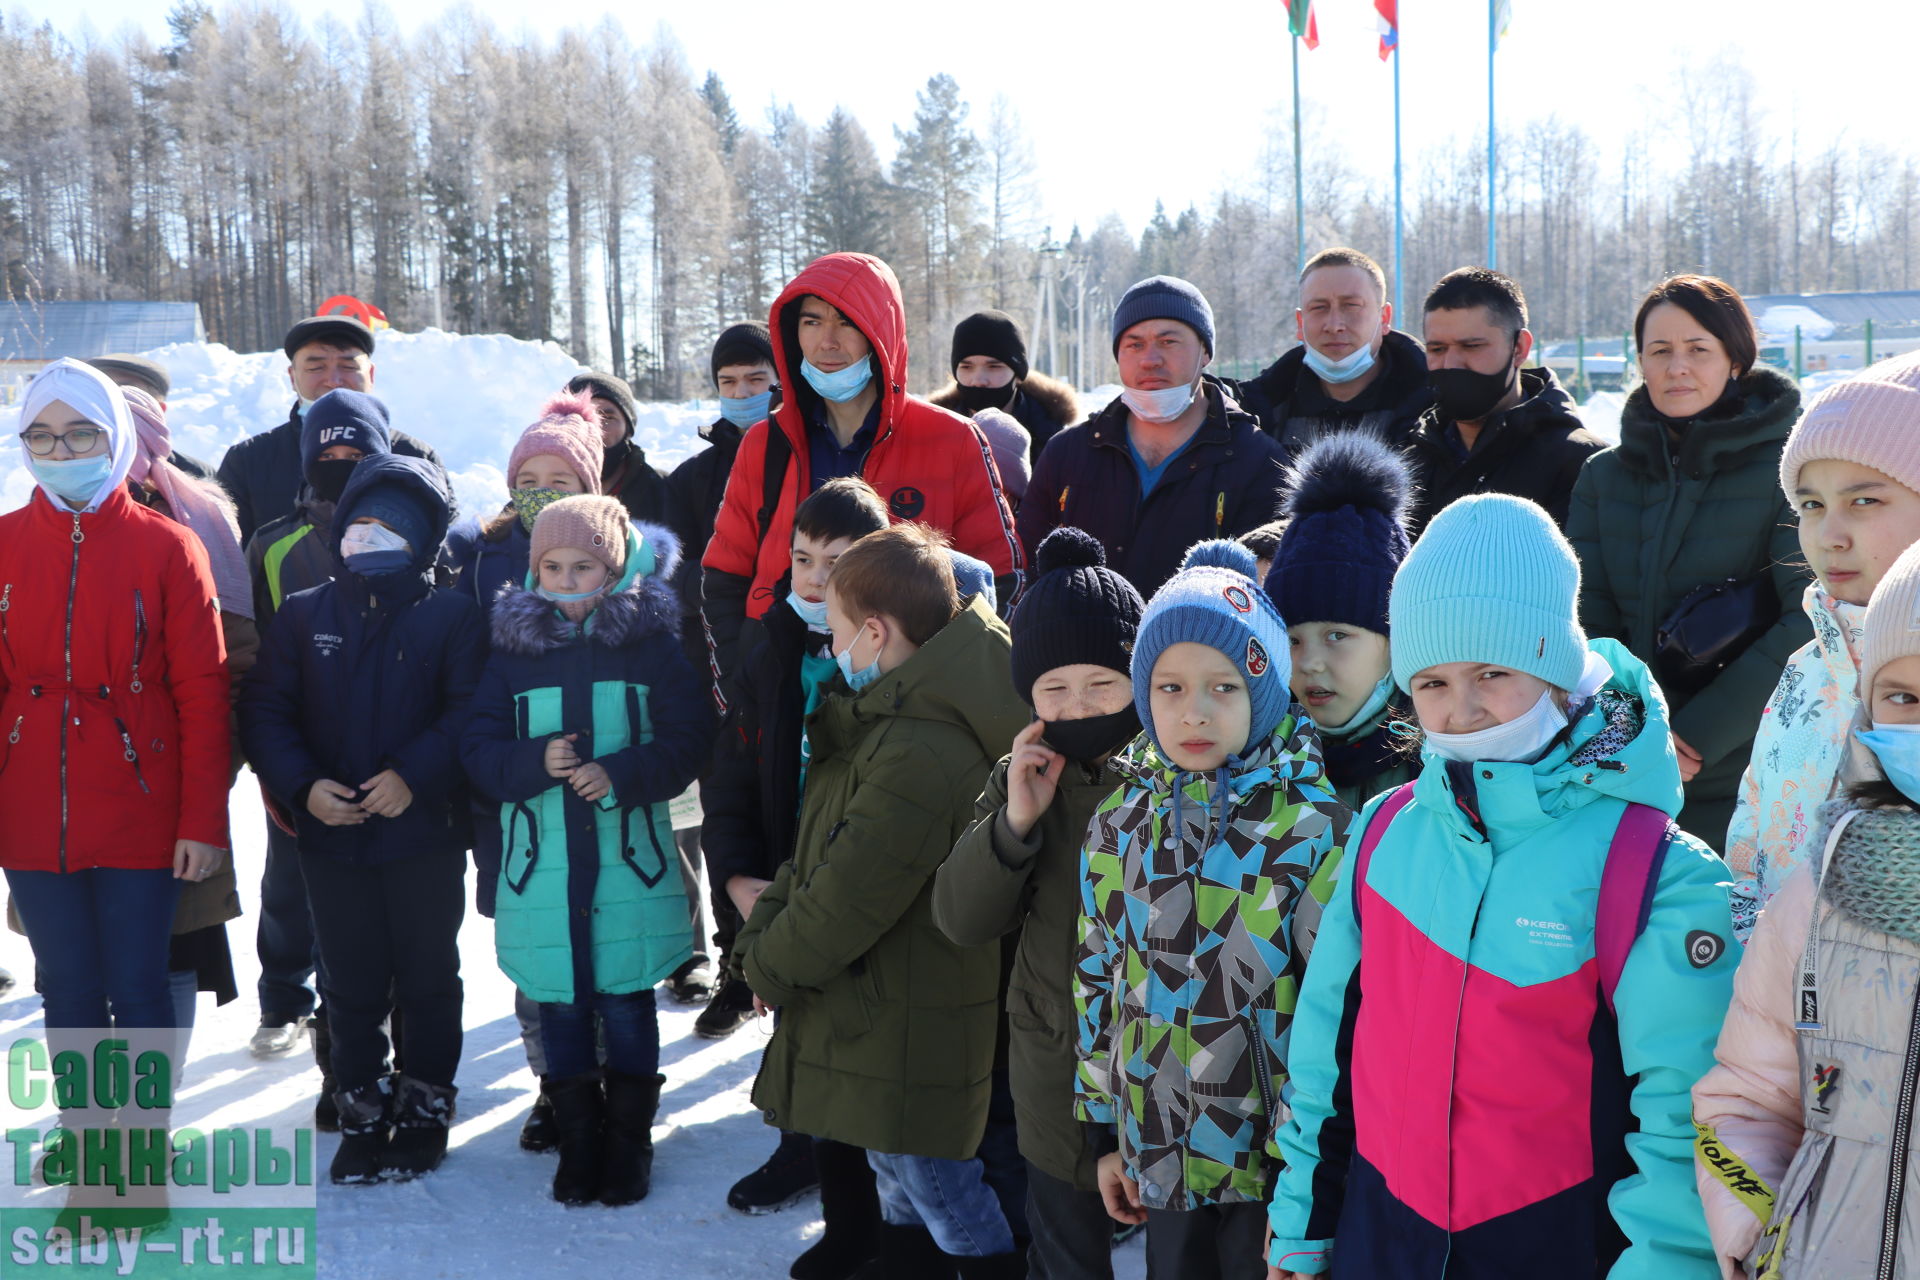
<point x="1214" y="601"/>
<point x="1345" y="507"/>
<point x="1492" y="580"/>
<point x="1164" y="297"/>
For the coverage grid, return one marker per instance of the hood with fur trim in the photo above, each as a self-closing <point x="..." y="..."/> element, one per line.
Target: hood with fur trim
<point x="1060" y="401"/>
<point x="642" y="603"/>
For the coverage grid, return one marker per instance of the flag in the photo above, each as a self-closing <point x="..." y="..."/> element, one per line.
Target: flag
<point x="1389" y="11"/>
<point x="1502" y="19"/>
<point x="1302" y="23"/>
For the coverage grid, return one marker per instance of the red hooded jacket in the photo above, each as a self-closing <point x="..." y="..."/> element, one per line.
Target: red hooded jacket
<point x="929" y="464"/>
<point x="113" y="689"/>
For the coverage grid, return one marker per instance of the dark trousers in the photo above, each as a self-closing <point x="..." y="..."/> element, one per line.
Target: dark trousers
<point x="1072" y="1234"/>
<point x="389" y="942"/>
<point x="285" y="937"/>
<point x="572" y="1035"/>
<point x="99" y="941"/>
<point x="1226" y="1240"/>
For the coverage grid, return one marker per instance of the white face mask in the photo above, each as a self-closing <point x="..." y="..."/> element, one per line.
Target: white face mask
<point x="812" y="612"/>
<point x="1522" y="739"/>
<point x="362" y="538"/>
<point x="1159" y="406"/>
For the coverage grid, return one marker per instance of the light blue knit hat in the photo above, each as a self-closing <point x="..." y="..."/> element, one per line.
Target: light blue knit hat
<point x="1491" y="580"/>
<point x="1215" y="601"/>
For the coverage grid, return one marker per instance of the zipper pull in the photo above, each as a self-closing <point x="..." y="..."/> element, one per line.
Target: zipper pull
<point x="6" y="598"/>
<point x="14" y="737"/>
<point x="78" y="537"/>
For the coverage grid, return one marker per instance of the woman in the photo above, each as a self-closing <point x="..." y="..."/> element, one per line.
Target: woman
<point x="1690" y="499"/>
<point x="113" y="688"/>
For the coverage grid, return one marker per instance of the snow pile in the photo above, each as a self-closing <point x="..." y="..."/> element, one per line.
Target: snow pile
<point x="1601" y="414"/>
<point x="1780" y="322"/>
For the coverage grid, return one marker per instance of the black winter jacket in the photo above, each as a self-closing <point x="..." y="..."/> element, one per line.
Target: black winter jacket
<point x="694" y="491"/>
<point x="263" y="474"/>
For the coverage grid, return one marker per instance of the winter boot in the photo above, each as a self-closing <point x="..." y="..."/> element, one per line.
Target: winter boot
<point x="539" y="1132"/>
<point x="422" y="1114"/>
<point x="366" y="1119"/>
<point x="786" y="1178"/>
<point x="908" y="1253"/>
<point x="692" y="982"/>
<point x="579" y="1117"/>
<point x="626" y="1166"/>
<point x="850" y="1209"/>
<point x="326" y="1115"/>
<point x="730" y="1009"/>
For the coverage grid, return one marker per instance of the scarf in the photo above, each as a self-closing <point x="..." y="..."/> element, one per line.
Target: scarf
<point x="1875" y="873"/>
<point x="201" y="507"/>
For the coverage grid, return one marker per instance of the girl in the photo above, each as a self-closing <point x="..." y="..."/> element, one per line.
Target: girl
<point x="1490" y="1061"/>
<point x="587" y="723"/>
<point x="1805" y="1154"/>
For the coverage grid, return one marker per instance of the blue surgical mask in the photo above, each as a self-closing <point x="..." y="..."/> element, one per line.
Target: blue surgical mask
<point x="1897" y="748"/>
<point x="841" y="385"/>
<point x="1353" y="366"/>
<point x="1158" y="406"/>
<point x="812" y="612"/>
<point x="73" y="480"/>
<point x="856" y="680"/>
<point x="747" y="410"/>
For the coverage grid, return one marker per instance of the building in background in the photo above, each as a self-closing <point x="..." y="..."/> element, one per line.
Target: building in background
<point x="34" y="334"/>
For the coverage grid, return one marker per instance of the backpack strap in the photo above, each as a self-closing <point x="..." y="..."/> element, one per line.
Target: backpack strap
<point x="1627" y="885"/>
<point x="773" y="476"/>
<point x="1376" y="830"/>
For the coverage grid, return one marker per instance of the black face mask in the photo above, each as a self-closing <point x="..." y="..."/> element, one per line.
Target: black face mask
<point x="328" y="476"/>
<point x="1093" y="737"/>
<point x="1464" y="395"/>
<point x="974" y="399"/>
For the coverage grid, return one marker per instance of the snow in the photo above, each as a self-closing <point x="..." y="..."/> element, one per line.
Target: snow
<point x="1601" y="414"/>
<point x="1780" y="322"/>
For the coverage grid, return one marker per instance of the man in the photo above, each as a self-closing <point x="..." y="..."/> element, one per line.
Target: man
<point x="989" y="363"/>
<point x="1351" y="370"/>
<point x="151" y="377"/>
<point x="1494" y="427"/>
<point x="262" y="474"/>
<point x="1171" y="461"/>
<point x="624" y="471"/>
<point x="839" y="336"/>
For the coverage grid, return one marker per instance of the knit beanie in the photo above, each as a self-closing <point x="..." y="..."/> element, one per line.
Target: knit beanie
<point x="586" y="522"/>
<point x="607" y="387"/>
<point x="1076" y="611"/>
<point x="1011" y="445"/>
<point x="1492" y="580"/>
<point x="1873" y="419"/>
<point x="990" y="333"/>
<point x="743" y="343"/>
<point x="344" y="417"/>
<point x="568" y="429"/>
<point x="1214" y="601"/>
<point x="1164" y="297"/>
<point x="1345" y="506"/>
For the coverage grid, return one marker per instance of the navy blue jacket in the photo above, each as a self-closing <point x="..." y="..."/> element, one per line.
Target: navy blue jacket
<point x="482" y="566"/>
<point x="1226" y="483"/>
<point x="365" y="674"/>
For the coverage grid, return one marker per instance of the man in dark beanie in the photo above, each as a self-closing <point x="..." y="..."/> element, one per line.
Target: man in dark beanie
<point x="1171" y="461"/>
<point x="989" y="363"/>
<point x="1017" y="871"/>
<point x="624" y="471"/>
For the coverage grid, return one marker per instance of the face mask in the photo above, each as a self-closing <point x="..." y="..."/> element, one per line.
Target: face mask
<point x="73" y="480"/>
<point x="328" y="476"/>
<point x="1897" y="748"/>
<point x="812" y="612"/>
<point x="974" y="399"/>
<point x="1375" y="704"/>
<point x="1464" y="395"/>
<point x="1520" y="740"/>
<point x="747" y="410"/>
<point x="529" y="503"/>
<point x="1159" y="406"/>
<point x="1352" y="366"/>
<point x="373" y="548"/>
<point x="841" y="385"/>
<point x="1091" y="738"/>
<point x="305" y="404"/>
<point x="856" y="680"/>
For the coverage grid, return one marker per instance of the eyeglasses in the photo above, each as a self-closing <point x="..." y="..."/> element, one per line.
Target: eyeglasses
<point x="79" y="440"/>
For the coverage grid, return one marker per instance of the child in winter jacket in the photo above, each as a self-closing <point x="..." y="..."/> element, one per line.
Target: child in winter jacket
<point x="1522" y="967"/>
<point x="1187" y="967"/>
<point x="1346" y="508"/>
<point x="886" y="1035"/>
<point x="1805" y="1149"/>
<point x="352" y="719"/>
<point x="588" y="722"/>
<point x="1851" y="472"/>
<point x="1016" y="872"/>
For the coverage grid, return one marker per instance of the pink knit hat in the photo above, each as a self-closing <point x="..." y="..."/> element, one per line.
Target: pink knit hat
<point x="1872" y="419"/>
<point x="587" y="522"/>
<point x="568" y="429"/>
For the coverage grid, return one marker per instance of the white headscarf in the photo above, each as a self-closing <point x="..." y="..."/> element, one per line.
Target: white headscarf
<point x="99" y="401"/>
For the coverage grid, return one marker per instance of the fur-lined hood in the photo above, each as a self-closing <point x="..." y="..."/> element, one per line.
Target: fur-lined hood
<point x="642" y="603"/>
<point x="1060" y="401"/>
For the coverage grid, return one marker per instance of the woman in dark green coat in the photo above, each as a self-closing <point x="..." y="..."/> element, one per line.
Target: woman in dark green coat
<point x="1691" y="497"/>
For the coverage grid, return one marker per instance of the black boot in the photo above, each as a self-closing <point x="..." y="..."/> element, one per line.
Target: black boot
<point x="626" y="1166"/>
<point x="539" y="1133"/>
<point x="908" y="1253"/>
<point x="326" y="1114"/>
<point x="422" y="1114"/>
<point x="786" y="1178"/>
<point x="730" y="1009"/>
<point x="365" y="1122"/>
<point x="579" y="1116"/>
<point x="849" y="1207"/>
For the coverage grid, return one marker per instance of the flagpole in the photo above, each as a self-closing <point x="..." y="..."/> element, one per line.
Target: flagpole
<point x="1299" y="193"/>
<point x="1399" y="267"/>
<point x="1493" y="36"/>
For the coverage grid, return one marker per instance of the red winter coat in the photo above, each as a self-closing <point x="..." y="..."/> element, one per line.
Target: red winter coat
<point x="113" y="689"/>
<point x="929" y="464"/>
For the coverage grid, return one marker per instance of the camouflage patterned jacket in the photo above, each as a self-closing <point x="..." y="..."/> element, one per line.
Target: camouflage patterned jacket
<point x="1187" y="968"/>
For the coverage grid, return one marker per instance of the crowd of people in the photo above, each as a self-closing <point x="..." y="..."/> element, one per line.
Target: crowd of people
<point x="1035" y="774"/>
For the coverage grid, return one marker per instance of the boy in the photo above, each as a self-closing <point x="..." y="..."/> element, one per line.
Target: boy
<point x="352" y="719"/>
<point x="1188" y="962"/>
<point x="886" y="1039"/>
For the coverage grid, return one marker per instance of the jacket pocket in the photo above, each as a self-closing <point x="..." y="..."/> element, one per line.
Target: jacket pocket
<point x="851" y="999"/>
<point x="520" y="847"/>
<point x="649" y="861"/>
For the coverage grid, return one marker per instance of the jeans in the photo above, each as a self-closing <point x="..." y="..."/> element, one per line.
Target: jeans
<point x="1072" y="1234"/>
<point x="284" y="940"/>
<point x="950" y="1198"/>
<point x="628" y="1026"/>
<point x="100" y="941"/>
